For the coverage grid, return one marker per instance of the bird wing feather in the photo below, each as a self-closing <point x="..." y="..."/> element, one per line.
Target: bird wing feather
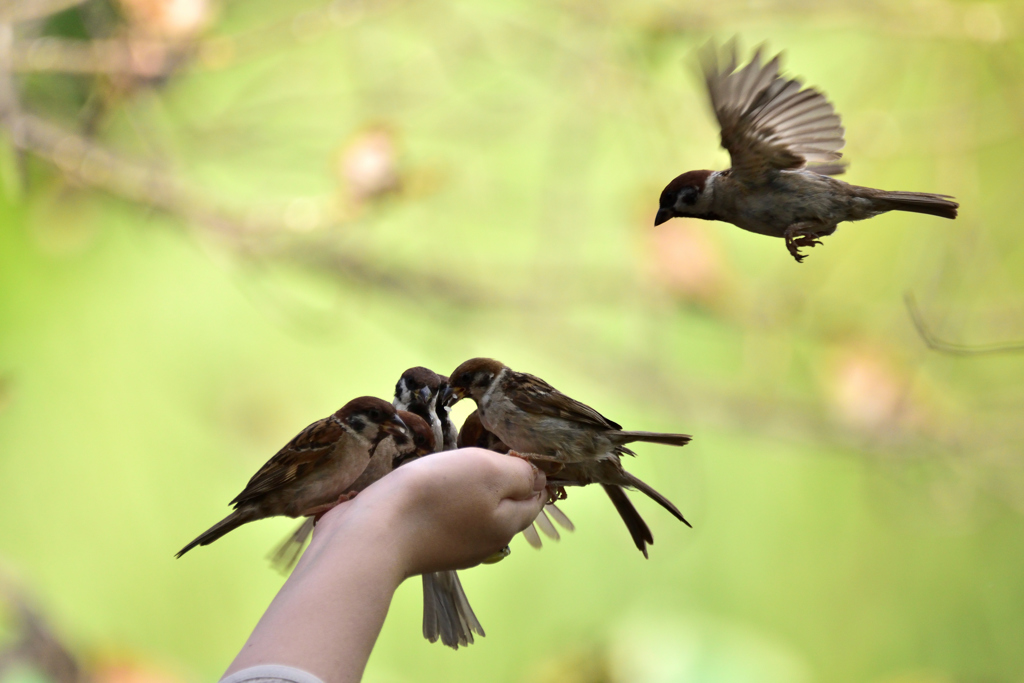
<point x="300" y="455"/>
<point x="769" y="123"/>
<point x="534" y="395"/>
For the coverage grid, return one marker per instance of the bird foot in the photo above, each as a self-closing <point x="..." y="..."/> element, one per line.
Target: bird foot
<point x="798" y="236"/>
<point x="556" y="493"/>
<point x="321" y="510"/>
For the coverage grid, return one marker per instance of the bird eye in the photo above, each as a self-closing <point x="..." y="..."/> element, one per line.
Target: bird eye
<point x="464" y="378"/>
<point x="374" y="415"/>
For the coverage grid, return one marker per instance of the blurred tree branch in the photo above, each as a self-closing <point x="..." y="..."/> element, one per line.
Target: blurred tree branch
<point x="936" y="344"/>
<point x="90" y="164"/>
<point x="142" y="58"/>
<point x="36" y="645"/>
<point x="13" y="11"/>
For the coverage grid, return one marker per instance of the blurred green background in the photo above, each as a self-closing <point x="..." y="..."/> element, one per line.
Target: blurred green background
<point x="230" y="219"/>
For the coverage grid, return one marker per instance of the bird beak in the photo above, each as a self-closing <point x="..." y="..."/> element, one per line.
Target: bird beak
<point x="663" y="215"/>
<point x="425" y="394"/>
<point x="459" y="393"/>
<point x="395" y="427"/>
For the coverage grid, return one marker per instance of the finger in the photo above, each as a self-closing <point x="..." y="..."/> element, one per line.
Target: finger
<point x="520" y="480"/>
<point x="514" y="515"/>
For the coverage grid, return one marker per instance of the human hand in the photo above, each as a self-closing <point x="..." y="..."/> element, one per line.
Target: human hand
<point x="450" y="510"/>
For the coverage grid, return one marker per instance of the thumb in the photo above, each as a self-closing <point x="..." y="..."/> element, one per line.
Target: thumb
<point x="522" y="480"/>
<point x="518" y="511"/>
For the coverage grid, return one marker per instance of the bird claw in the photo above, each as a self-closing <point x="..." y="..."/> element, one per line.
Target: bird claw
<point x="797" y="237"/>
<point x="320" y="510"/>
<point x="556" y="493"/>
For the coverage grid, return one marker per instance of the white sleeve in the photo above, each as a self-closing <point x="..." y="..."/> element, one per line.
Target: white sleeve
<point x="271" y="673"/>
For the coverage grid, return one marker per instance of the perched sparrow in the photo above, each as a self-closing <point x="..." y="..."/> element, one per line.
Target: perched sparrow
<point x="314" y="470"/>
<point x="417" y="391"/>
<point x="784" y="142"/>
<point x="422" y="440"/>
<point x="447" y="613"/>
<point x="443" y="407"/>
<point x="474" y="434"/>
<point x="535" y="419"/>
<point x="392" y="451"/>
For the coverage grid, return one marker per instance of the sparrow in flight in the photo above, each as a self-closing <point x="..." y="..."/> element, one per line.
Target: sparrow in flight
<point x="784" y="141"/>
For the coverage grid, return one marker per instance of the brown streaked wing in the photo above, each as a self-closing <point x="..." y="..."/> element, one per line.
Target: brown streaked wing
<point x="534" y="395"/>
<point x="297" y="458"/>
<point x="769" y="123"/>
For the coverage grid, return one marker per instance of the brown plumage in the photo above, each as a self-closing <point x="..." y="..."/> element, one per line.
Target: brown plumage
<point x="783" y="140"/>
<point x="417" y="391"/>
<point x="392" y="451"/>
<point x="474" y="435"/>
<point x="314" y="469"/>
<point x="583" y="446"/>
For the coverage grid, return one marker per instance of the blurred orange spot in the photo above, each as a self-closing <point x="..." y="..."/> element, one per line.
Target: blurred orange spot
<point x="869" y="393"/>
<point x="369" y="165"/>
<point x="686" y="261"/>
<point x="168" y="19"/>
<point x="131" y="672"/>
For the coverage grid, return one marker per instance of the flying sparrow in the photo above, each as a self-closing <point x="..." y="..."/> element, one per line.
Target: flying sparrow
<point x="312" y="473"/>
<point x="539" y="422"/>
<point x="784" y="142"/>
<point x="392" y="451"/>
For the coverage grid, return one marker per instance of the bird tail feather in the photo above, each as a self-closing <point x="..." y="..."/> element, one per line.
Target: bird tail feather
<point x="654" y="437"/>
<point x="229" y="523"/>
<point x="661" y="500"/>
<point x="918" y="202"/>
<point x="636" y="525"/>
<point x="446" y="611"/>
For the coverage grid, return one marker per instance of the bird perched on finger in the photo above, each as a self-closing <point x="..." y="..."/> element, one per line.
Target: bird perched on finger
<point x="784" y="141"/>
<point x="418" y="391"/>
<point x="474" y="435"/>
<point x="313" y="471"/>
<point x="391" y="452"/>
<point x="443" y="407"/>
<point x="536" y="420"/>
<point x="447" y="614"/>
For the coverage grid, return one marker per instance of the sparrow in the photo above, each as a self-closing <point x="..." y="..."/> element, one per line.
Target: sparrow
<point x="392" y="451"/>
<point x="447" y="614"/>
<point x="549" y="428"/>
<point x="443" y="407"/>
<point x="417" y="391"/>
<point x="473" y="434"/>
<point x="313" y="471"/>
<point x="783" y="140"/>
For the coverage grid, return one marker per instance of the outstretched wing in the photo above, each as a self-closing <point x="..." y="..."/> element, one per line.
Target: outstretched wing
<point x="769" y="123"/>
<point x="536" y="396"/>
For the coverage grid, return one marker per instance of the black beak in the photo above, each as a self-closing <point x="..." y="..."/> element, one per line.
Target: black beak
<point x="446" y="396"/>
<point x="663" y="215"/>
<point x="425" y="394"/>
<point x="395" y="427"/>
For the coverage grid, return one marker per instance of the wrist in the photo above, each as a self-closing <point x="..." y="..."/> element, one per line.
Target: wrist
<point x="358" y="536"/>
